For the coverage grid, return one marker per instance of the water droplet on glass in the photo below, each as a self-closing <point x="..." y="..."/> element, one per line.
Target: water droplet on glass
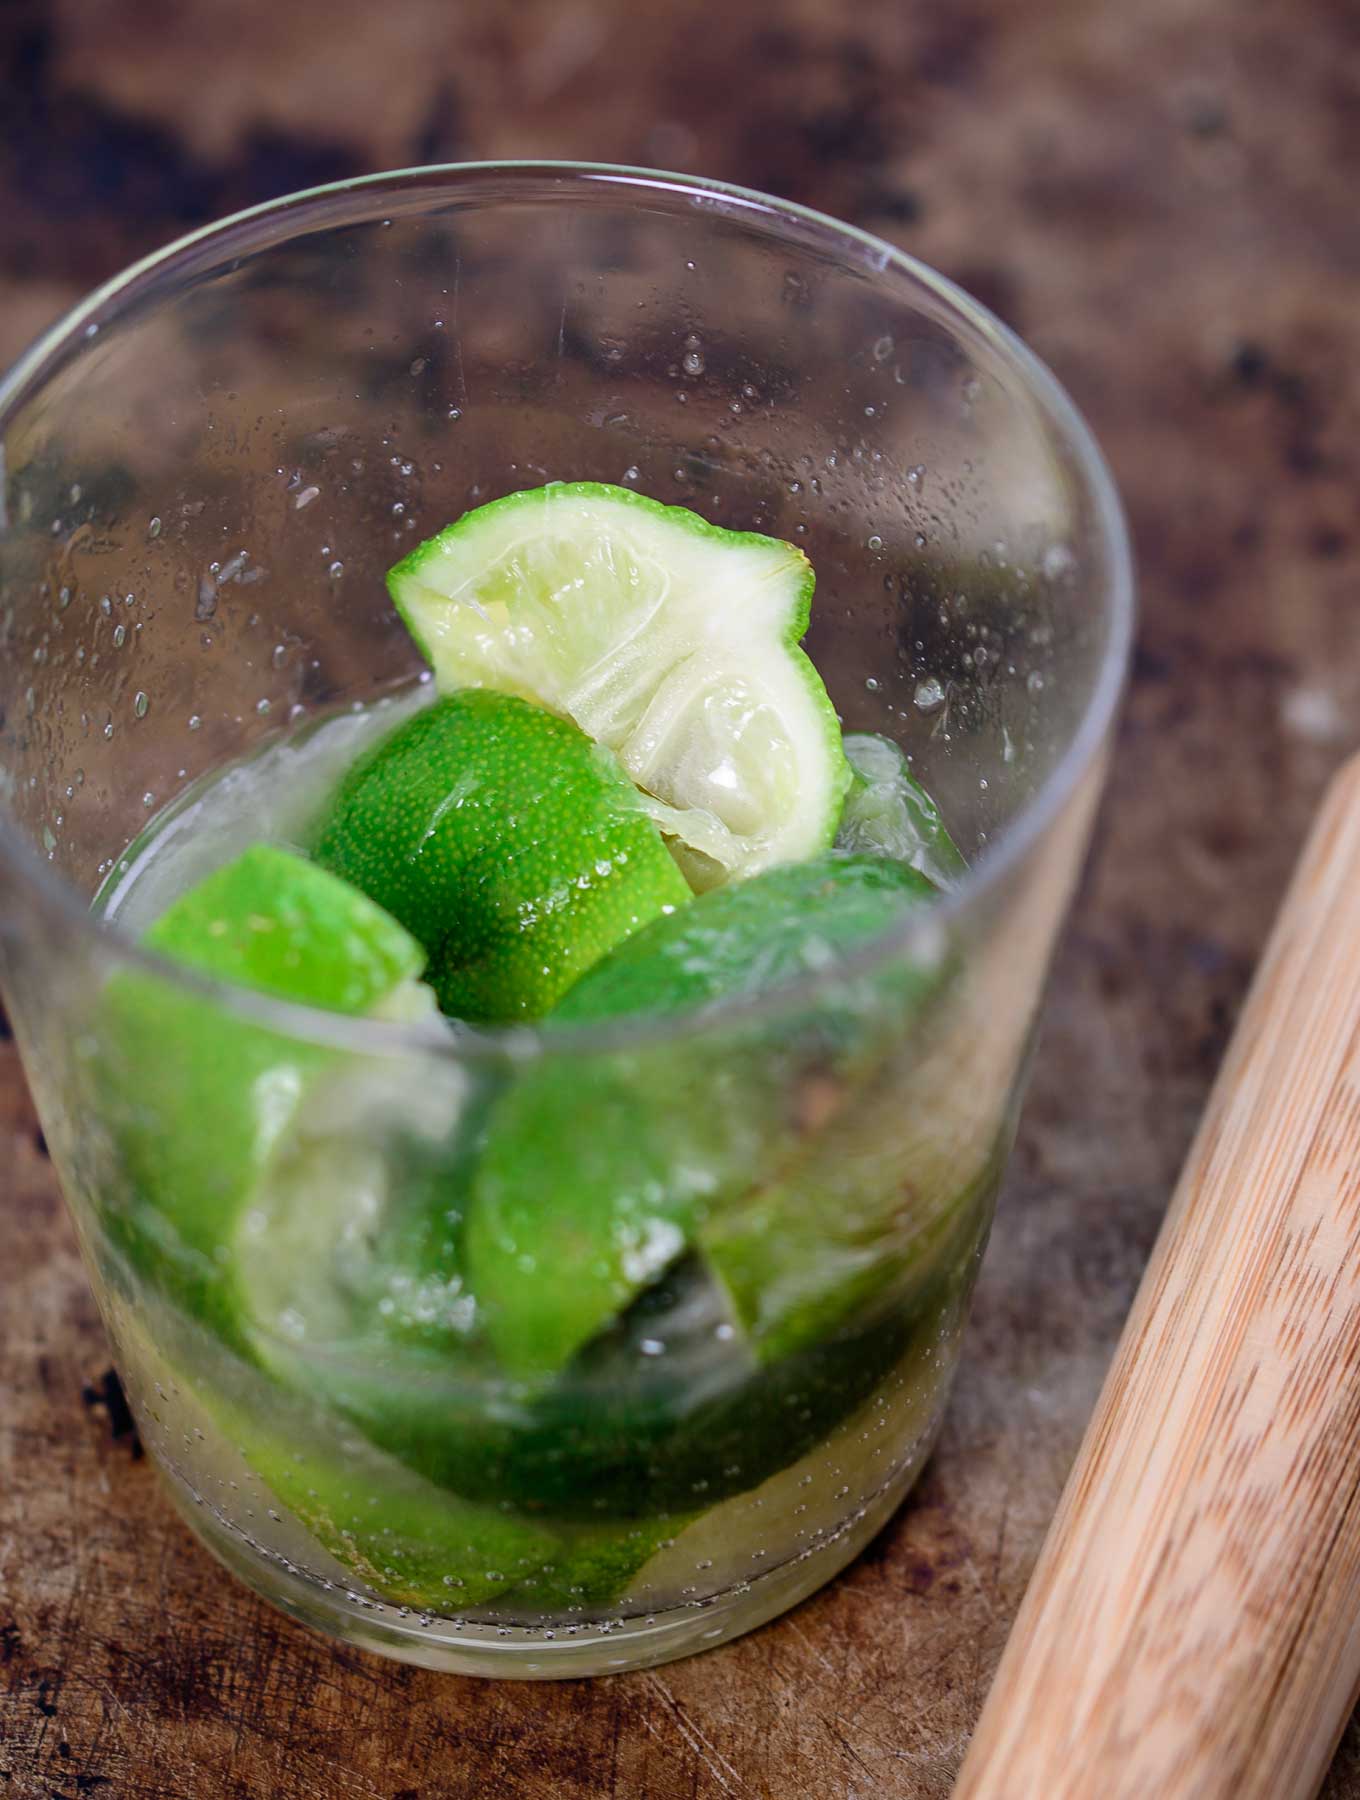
<point x="148" y="798"/>
<point x="336" y="570"/>
<point x="194" y="721"/>
<point x="872" y="683"/>
<point x="140" y="704"/>
<point x="915" y="475"/>
<point x="262" y="706"/>
<point x="418" y="365"/>
<point x="119" y="636"/>
<point x="105" y="605"/>
<point x="929" y="695"/>
<point x="455" y="412"/>
<point x="1058" y="561"/>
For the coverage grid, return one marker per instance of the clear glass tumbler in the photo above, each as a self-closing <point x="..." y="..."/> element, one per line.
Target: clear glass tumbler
<point x="207" y="468"/>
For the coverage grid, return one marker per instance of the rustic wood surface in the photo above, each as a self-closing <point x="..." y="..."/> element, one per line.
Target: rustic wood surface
<point x="1161" y="198"/>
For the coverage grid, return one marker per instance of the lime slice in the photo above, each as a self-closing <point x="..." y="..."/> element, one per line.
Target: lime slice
<point x="888" y="813"/>
<point x="598" y="1172"/>
<point x="197" y="1098"/>
<point x="403" y="1538"/>
<point x="512" y="846"/>
<point x="666" y="638"/>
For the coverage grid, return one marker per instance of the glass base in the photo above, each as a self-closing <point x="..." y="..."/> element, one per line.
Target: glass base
<point x="520" y="1653"/>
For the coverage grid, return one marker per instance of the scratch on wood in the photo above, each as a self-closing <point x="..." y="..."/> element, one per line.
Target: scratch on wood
<point x="707" y="1752"/>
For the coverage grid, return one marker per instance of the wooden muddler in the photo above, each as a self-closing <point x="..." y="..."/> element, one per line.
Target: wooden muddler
<point x="1192" y="1629"/>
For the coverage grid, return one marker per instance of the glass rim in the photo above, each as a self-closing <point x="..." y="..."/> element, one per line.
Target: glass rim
<point x="295" y="215"/>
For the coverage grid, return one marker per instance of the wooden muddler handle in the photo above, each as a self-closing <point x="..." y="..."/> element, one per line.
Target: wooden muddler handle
<point x="1192" y="1629"/>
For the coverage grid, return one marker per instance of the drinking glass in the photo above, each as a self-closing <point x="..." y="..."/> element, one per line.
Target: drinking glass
<point x="207" y="469"/>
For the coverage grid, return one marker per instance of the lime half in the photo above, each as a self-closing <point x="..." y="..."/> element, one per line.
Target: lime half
<point x="671" y="641"/>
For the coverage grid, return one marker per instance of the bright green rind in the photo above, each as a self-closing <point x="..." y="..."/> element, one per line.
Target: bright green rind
<point x="507" y="842"/>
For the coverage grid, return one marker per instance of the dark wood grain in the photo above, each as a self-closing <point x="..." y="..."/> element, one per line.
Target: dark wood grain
<point x="1161" y="199"/>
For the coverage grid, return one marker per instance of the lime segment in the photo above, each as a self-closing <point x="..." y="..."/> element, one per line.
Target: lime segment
<point x="198" y="1097"/>
<point x="599" y="1172"/>
<point x="666" y="638"/>
<point x="511" y="845"/>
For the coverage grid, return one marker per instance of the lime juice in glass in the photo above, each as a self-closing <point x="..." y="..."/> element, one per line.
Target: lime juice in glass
<point x="555" y="716"/>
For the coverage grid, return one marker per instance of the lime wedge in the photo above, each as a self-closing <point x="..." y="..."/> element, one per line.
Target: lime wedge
<point x="398" y="1535"/>
<point x="888" y="813"/>
<point x="512" y="846"/>
<point x="197" y="1098"/>
<point x="666" y="638"/>
<point x="599" y="1172"/>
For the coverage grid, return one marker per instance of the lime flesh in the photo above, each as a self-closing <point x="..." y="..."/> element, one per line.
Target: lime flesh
<point x="669" y="640"/>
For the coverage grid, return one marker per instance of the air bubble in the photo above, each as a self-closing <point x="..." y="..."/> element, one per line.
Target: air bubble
<point x="140" y="705"/>
<point x="194" y="721"/>
<point x="154" y="528"/>
<point x="875" y="542"/>
<point x="119" y="636"/>
<point x="929" y="695"/>
<point x="692" y="362"/>
<point x="419" y="365"/>
<point x="915" y="475"/>
<point x="336" y="570"/>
